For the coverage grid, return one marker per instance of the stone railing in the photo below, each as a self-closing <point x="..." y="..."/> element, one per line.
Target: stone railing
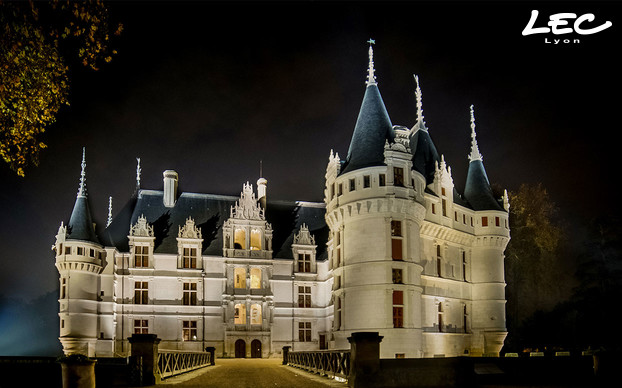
<point x="171" y="363"/>
<point x="334" y="364"/>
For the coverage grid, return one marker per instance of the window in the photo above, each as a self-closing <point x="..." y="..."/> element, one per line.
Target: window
<point x="398" y="308"/>
<point x="366" y="181"/>
<point x="304" y="262"/>
<point x="464" y="318"/>
<point x="141" y="326"/>
<point x="189" y="330"/>
<point x="339" y="189"/>
<point x="440" y="317"/>
<point x="240" y="277"/>
<point x="443" y="191"/>
<point x="396" y="240"/>
<point x="471" y="220"/>
<point x="63" y="289"/>
<point x="141" y="256"/>
<point x="92" y="251"/>
<point x="398" y="176"/>
<point x="464" y="266"/>
<point x="141" y="293"/>
<point x="456" y="216"/>
<point x="464" y="219"/>
<point x="397" y="276"/>
<point x="433" y="209"/>
<point x="190" y="294"/>
<point x="496" y="221"/>
<point x="338" y="320"/>
<point x="255" y="277"/>
<point x="352" y="184"/>
<point x="304" y="296"/>
<point x="400" y="355"/>
<point x="239" y="239"/>
<point x="255" y="314"/>
<point x="444" y="202"/>
<point x="255" y="240"/>
<point x="68" y="250"/>
<point x="304" y="331"/>
<point x="240" y="314"/>
<point x="484" y="221"/>
<point x="382" y="180"/>
<point x="189" y="258"/>
<point x="439" y="260"/>
<point x="80" y="251"/>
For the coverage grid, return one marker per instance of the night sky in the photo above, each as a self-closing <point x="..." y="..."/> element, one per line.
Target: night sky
<point x="210" y="89"/>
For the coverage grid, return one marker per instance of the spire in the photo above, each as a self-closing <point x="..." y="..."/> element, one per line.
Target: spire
<point x="475" y="154"/>
<point x="82" y="186"/>
<point x="109" y="212"/>
<point x="80" y="226"/>
<point x="371" y="78"/>
<point x="138" y="170"/>
<point x="373" y="127"/>
<point x="419" y="96"/>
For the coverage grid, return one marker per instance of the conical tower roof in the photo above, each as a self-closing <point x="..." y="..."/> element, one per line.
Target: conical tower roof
<point x="80" y="225"/>
<point x="477" y="190"/>
<point x="425" y="155"/>
<point x="373" y="127"/>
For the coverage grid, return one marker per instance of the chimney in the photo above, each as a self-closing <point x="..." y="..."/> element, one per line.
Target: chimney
<point x="261" y="192"/>
<point x="170" y="188"/>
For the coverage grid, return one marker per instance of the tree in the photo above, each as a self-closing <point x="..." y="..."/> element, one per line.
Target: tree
<point x="34" y="82"/>
<point x="538" y="272"/>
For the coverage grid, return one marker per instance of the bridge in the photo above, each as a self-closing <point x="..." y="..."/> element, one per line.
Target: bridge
<point x="250" y="373"/>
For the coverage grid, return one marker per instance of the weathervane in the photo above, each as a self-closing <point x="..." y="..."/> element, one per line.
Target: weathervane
<point x="371" y="78"/>
<point x="474" y="155"/>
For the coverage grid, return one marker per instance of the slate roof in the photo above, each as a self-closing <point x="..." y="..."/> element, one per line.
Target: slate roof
<point x="424" y="154"/>
<point x="477" y="189"/>
<point x="80" y="226"/>
<point x="209" y="212"/>
<point x="373" y="128"/>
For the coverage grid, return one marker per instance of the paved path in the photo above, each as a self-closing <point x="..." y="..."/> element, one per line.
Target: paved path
<point x="250" y="373"/>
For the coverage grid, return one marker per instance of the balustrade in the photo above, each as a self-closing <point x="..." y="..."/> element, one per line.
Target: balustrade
<point x="173" y="363"/>
<point x="330" y="363"/>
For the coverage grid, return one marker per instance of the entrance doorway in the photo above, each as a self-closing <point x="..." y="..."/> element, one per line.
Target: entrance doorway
<point x="240" y="349"/>
<point x="256" y="348"/>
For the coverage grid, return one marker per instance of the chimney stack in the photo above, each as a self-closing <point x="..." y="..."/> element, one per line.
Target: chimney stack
<point x="170" y="188"/>
<point x="261" y="192"/>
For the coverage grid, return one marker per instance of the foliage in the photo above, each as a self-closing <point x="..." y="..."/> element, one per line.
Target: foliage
<point x="34" y="82"/>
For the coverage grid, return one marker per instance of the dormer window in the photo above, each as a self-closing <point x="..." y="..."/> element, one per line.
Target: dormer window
<point x="303" y="250"/>
<point x="398" y="176"/>
<point x="189" y="243"/>
<point x="141" y="243"/>
<point x="141" y="256"/>
<point x="189" y="258"/>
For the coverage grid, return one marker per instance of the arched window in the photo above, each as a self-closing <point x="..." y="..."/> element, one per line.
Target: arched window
<point x="240" y="314"/>
<point x="255" y="314"/>
<point x="255" y="278"/>
<point x="255" y="240"/>
<point x="239" y="240"/>
<point x="240" y="277"/>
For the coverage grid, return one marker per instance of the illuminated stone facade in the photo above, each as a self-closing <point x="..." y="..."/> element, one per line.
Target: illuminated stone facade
<point x="394" y="248"/>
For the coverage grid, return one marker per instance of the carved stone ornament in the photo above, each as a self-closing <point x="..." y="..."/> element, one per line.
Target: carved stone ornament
<point x="141" y="228"/>
<point x="190" y="230"/>
<point x="247" y="208"/>
<point x="304" y="237"/>
<point x="62" y="234"/>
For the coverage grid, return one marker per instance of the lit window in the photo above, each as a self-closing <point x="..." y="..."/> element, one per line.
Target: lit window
<point x="255" y="314"/>
<point x="240" y="314"/>
<point x="240" y="277"/>
<point x="141" y="326"/>
<point x="396" y="240"/>
<point x="255" y="278"/>
<point x="304" y="331"/>
<point x="239" y="240"/>
<point x="255" y="240"/>
<point x="304" y="296"/>
<point x="189" y="330"/>
<point x="190" y="294"/>
<point x="397" y="276"/>
<point x="304" y="262"/>
<point x="398" y="176"/>
<point x="141" y="292"/>
<point x="189" y="258"/>
<point x="398" y="308"/>
<point x="141" y="256"/>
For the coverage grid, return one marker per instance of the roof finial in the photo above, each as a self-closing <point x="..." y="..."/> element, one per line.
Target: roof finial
<point x="109" y="212"/>
<point x="138" y="170"/>
<point x="82" y="187"/>
<point x="475" y="154"/>
<point x="371" y="78"/>
<point x="260" y="168"/>
<point x="419" y="97"/>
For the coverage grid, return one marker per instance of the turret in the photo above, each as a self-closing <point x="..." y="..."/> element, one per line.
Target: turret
<point x="79" y="260"/>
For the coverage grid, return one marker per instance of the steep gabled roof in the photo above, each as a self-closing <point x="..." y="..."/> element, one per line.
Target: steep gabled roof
<point x="424" y="153"/>
<point x="477" y="190"/>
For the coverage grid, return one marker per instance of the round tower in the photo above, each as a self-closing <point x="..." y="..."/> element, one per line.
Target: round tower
<point x="374" y="211"/>
<point x="79" y="257"/>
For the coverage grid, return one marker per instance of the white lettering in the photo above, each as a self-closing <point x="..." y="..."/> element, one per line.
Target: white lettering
<point x="590" y="18"/>
<point x="557" y="20"/>
<point x="529" y="28"/>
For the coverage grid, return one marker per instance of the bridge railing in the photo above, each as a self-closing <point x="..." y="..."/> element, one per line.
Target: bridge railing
<point x="171" y="363"/>
<point x="330" y="363"/>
